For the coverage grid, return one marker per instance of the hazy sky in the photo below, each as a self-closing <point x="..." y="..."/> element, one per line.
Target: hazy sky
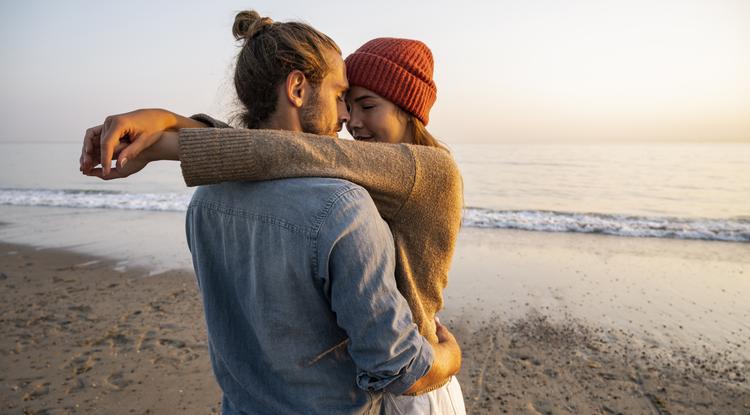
<point x="520" y="70"/>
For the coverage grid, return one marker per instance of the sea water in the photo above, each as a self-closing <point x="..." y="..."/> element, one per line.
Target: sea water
<point x="664" y="190"/>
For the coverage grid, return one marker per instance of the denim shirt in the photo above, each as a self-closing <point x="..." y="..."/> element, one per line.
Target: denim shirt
<point x="300" y="300"/>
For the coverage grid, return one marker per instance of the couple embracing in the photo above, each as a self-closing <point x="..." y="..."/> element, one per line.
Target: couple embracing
<point x="321" y="262"/>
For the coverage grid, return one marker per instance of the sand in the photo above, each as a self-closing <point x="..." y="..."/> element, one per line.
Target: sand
<point x="81" y="337"/>
<point x="592" y="324"/>
<point x="549" y="324"/>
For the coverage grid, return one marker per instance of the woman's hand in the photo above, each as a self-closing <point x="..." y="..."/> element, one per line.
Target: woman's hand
<point x="446" y="362"/>
<point x="165" y="147"/>
<point x="125" y="136"/>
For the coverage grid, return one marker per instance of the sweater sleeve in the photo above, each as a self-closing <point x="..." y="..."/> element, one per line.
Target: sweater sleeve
<point x="425" y="234"/>
<point x="387" y="171"/>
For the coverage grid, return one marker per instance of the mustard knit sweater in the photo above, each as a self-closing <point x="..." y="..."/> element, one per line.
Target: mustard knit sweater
<point x="417" y="190"/>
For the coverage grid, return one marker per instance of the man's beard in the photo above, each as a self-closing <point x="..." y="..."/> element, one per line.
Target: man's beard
<point x="311" y="118"/>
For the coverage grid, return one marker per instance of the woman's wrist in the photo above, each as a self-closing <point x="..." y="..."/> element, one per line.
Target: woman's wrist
<point x="167" y="120"/>
<point x="184" y="122"/>
<point x="167" y="147"/>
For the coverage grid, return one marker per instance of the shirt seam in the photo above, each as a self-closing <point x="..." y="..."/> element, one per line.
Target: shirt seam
<point x="271" y="220"/>
<point x="325" y="212"/>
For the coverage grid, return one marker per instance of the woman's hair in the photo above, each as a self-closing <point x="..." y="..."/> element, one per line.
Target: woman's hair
<point x="270" y="51"/>
<point x="419" y="133"/>
<point x="416" y="129"/>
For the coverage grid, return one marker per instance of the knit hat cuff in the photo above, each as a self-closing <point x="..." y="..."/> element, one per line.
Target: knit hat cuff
<point x="393" y="82"/>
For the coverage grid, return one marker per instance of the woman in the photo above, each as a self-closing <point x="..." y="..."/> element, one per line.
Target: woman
<point x="389" y="99"/>
<point x="417" y="189"/>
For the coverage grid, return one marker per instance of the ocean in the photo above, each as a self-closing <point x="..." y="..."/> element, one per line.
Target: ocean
<point x="675" y="190"/>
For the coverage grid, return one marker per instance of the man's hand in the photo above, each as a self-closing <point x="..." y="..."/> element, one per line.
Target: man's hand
<point x="125" y="136"/>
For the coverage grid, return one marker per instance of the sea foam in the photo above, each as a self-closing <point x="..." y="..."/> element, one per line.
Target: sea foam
<point x="731" y="230"/>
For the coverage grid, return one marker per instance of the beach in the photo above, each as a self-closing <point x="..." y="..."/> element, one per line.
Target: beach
<point x="602" y="262"/>
<point x="82" y="336"/>
<point x="549" y="323"/>
<point x="592" y="324"/>
<point x="575" y="287"/>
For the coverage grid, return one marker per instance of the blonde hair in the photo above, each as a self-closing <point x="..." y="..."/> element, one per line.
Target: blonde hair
<point x="418" y="132"/>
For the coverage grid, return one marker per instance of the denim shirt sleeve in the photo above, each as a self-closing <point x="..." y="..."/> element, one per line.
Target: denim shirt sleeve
<point x="356" y="260"/>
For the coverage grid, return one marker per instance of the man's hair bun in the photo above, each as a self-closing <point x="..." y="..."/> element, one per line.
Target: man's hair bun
<point x="248" y="24"/>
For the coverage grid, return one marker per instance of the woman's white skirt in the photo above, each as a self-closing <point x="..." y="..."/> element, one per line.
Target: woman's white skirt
<point x="446" y="400"/>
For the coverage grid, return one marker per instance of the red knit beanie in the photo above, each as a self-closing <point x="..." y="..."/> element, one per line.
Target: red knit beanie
<point x="399" y="70"/>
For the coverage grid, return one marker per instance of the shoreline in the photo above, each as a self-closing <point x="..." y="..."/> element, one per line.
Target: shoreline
<point x="82" y="335"/>
<point x="670" y="293"/>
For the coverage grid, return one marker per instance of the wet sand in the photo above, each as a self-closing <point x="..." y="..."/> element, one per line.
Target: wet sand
<point x="549" y="324"/>
<point x="592" y="324"/>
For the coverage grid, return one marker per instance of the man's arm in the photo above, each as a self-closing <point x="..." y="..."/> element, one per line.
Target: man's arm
<point x="356" y="263"/>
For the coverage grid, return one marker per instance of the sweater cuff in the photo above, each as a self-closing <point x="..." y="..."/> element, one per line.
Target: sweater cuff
<point x="199" y="154"/>
<point x="210" y="121"/>
<point x="216" y="155"/>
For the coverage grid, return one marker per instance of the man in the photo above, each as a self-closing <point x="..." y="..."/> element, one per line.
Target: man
<point x="291" y="270"/>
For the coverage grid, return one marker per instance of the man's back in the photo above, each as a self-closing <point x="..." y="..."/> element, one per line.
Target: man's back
<point x="288" y="270"/>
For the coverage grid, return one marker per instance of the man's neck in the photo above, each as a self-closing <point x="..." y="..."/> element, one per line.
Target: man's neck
<point x="280" y="122"/>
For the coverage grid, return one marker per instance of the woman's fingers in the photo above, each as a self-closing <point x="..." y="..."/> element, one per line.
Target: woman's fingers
<point x="119" y="172"/>
<point x="443" y="334"/>
<point x="114" y="130"/>
<point x="89" y="152"/>
<point x="113" y="174"/>
<point x="133" y="149"/>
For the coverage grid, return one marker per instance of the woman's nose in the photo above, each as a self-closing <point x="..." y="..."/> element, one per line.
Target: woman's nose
<point x="355" y="120"/>
<point x="343" y="112"/>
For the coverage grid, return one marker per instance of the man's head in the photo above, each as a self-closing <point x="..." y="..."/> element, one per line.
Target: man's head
<point x="288" y="76"/>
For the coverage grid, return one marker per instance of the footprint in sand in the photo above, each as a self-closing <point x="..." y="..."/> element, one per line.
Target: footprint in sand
<point x="178" y="350"/>
<point x="80" y="308"/>
<point x="38" y="390"/>
<point x="177" y="344"/>
<point x="166" y="360"/>
<point x="81" y="363"/>
<point x="117" y="381"/>
<point x="145" y="341"/>
<point x="77" y="386"/>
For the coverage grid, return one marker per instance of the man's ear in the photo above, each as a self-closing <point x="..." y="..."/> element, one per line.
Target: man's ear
<point x="295" y="88"/>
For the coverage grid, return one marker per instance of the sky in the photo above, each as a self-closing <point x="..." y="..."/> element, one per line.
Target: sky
<point x="506" y="71"/>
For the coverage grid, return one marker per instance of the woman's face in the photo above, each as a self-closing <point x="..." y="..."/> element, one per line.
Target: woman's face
<point x="374" y="118"/>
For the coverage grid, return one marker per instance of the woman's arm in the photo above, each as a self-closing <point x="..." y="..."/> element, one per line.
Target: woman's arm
<point x="391" y="173"/>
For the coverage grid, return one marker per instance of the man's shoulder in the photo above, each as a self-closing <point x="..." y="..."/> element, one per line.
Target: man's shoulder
<point x="298" y="199"/>
<point x="294" y="188"/>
